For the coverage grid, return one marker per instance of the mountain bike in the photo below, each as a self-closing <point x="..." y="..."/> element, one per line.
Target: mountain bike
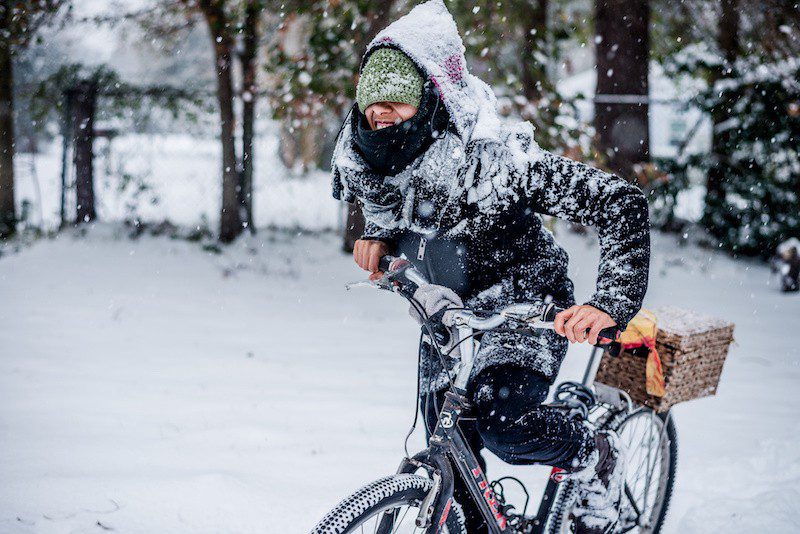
<point x="418" y="498"/>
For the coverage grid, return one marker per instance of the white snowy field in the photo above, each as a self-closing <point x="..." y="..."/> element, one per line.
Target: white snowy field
<point x="171" y="176"/>
<point x="149" y="386"/>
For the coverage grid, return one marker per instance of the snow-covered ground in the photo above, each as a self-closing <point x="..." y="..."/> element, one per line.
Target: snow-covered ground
<point x="149" y="386"/>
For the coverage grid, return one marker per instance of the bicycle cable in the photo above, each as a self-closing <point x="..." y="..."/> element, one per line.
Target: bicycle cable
<point x="480" y="332"/>
<point x="501" y="492"/>
<point x="472" y="335"/>
<point x="417" y="406"/>
<point x="426" y="323"/>
<point x="428" y="327"/>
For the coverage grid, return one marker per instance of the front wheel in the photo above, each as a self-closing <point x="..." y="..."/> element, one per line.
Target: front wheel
<point x="388" y="505"/>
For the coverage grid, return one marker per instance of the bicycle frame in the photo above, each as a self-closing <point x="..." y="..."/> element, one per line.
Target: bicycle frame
<point x="447" y="446"/>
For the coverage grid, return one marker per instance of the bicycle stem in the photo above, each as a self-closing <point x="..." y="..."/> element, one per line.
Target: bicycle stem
<point x="467" y="360"/>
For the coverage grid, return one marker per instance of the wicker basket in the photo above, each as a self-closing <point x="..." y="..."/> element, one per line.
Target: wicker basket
<point x="692" y="348"/>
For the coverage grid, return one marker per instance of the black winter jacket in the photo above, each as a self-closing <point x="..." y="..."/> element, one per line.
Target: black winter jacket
<point x="470" y="206"/>
<point x="511" y="257"/>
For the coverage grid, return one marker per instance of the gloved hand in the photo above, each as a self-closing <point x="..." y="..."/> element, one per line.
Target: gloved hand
<point x="433" y="299"/>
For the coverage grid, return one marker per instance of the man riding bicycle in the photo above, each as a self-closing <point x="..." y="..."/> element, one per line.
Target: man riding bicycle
<point x="445" y="182"/>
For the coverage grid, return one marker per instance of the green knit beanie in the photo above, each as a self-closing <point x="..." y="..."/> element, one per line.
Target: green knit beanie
<point x="389" y="76"/>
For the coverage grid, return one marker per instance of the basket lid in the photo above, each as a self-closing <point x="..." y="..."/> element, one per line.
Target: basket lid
<point x="681" y="328"/>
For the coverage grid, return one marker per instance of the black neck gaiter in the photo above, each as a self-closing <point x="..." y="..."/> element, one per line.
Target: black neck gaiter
<point x="390" y="150"/>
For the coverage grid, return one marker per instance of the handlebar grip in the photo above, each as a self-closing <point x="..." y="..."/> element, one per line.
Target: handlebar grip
<point x="385" y="262"/>
<point x="612" y="332"/>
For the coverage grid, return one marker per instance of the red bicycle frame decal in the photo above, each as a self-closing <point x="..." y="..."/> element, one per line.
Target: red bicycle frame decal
<point x="445" y="512"/>
<point x="488" y="496"/>
<point x="558" y="475"/>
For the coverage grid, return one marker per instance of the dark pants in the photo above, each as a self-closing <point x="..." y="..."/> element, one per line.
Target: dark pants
<point x="514" y="425"/>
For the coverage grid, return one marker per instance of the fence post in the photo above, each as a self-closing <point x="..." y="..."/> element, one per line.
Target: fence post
<point x="84" y="100"/>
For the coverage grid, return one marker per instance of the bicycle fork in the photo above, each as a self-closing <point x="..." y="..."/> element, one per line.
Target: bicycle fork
<point x="448" y="447"/>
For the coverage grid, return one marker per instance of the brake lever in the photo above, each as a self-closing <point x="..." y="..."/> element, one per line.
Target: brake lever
<point x="533" y="315"/>
<point x="385" y="282"/>
<point x="540" y="324"/>
<point x="362" y="283"/>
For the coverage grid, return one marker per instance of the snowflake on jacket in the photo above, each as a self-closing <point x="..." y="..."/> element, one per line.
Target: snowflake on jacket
<point x="476" y="197"/>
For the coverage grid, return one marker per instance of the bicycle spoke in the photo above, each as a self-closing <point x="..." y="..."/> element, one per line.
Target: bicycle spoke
<point x="655" y="449"/>
<point x="658" y="444"/>
<point x="649" y="453"/>
<point x="401" y="521"/>
<point x="636" y="460"/>
<point x="643" y="450"/>
<point x="640" y="464"/>
<point x="641" y="484"/>
<point x="643" y="436"/>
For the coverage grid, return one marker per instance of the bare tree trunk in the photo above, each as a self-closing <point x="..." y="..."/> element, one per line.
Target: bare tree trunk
<point x="246" y="187"/>
<point x="728" y="40"/>
<point x="378" y="15"/>
<point x="534" y="72"/>
<point x="7" y="207"/>
<point x="729" y="30"/>
<point x="230" y="223"/>
<point x="84" y="102"/>
<point x="66" y="141"/>
<point x="250" y="95"/>
<point x="621" y="109"/>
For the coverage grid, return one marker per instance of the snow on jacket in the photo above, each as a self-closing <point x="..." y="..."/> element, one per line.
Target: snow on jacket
<point x="467" y="210"/>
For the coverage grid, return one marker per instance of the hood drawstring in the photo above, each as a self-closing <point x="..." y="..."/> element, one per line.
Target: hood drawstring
<point x="435" y="133"/>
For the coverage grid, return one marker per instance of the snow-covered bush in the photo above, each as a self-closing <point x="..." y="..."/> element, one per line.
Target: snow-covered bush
<point x="757" y="151"/>
<point x="515" y="47"/>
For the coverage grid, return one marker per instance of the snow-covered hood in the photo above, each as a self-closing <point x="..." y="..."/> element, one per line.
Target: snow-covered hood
<point x="429" y="36"/>
<point x="432" y="184"/>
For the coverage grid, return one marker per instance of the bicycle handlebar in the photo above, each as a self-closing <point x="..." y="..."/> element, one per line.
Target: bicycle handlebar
<point x="537" y="316"/>
<point x="402" y="266"/>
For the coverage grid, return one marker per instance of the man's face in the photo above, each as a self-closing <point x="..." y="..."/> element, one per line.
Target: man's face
<point x="382" y="114"/>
